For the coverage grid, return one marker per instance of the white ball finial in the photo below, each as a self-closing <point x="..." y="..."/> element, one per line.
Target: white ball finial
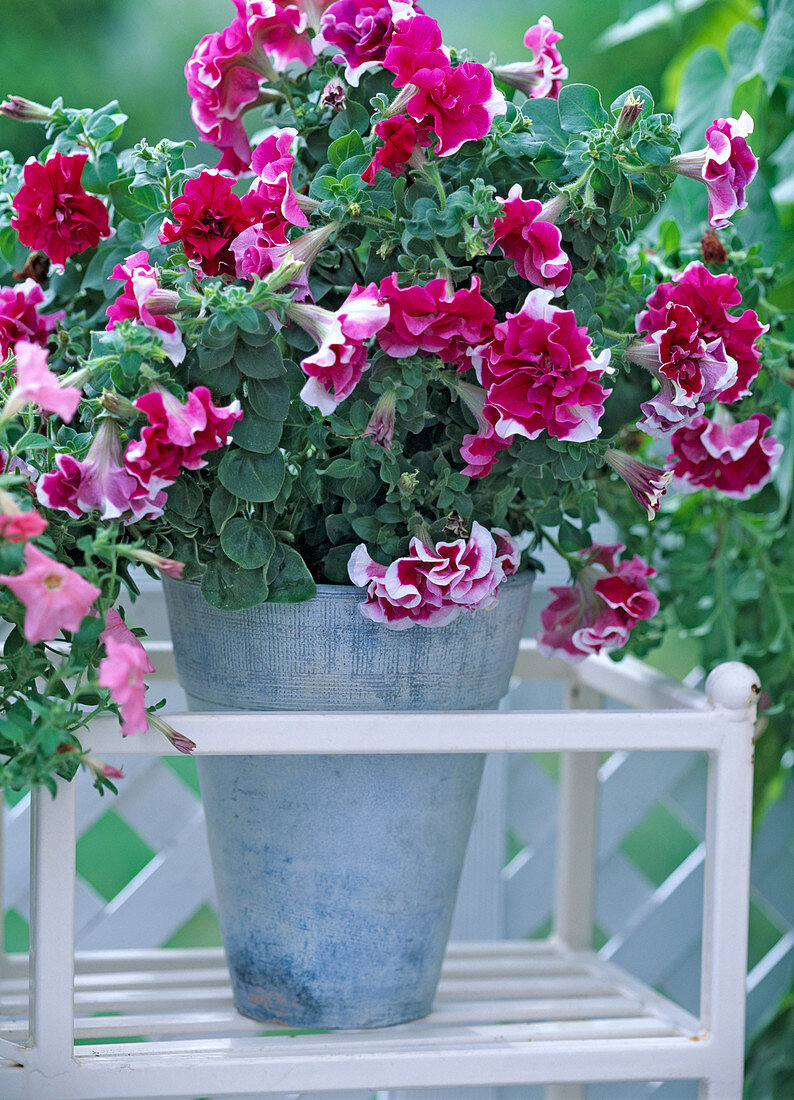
<point x="733" y="686"/>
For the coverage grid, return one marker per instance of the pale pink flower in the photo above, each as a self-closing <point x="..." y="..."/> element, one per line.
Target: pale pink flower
<point x="99" y="483"/>
<point x="599" y="610"/>
<point x="167" y="566"/>
<point x="257" y="255"/>
<point x="117" y="629"/>
<point x="55" y="597"/>
<point x="380" y="429"/>
<point x="341" y="358"/>
<point x="16" y="525"/>
<point x="143" y="301"/>
<point x="122" y="673"/>
<point x="35" y="384"/>
<point x="647" y="483"/>
<point x="726" y="165"/>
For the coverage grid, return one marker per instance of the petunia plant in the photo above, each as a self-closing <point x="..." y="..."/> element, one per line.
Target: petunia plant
<point x="402" y="332"/>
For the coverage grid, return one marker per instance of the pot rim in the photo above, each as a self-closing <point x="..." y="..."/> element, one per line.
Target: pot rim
<point x="345" y="591"/>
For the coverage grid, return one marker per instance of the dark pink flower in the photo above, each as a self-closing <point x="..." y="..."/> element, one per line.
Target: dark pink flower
<point x="122" y="673"/>
<point x="435" y="319"/>
<point x="54" y="211"/>
<point x="416" y="53"/>
<point x="403" y="141"/>
<point x="225" y="73"/>
<point x="540" y="374"/>
<point x="647" y="483"/>
<point x="459" y="108"/>
<point x="55" y="597"/>
<point x="726" y="165"/>
<point x="35" y="384"/>
<point x="600" y="609"/>
<point x="735" y="459"/>
<point x="142" y="301"/>
<point x="360" y="32"/>
<point x="177" y="436"/>
<point x="480" y="449"/>
<point x="541" y="77"/>
<point x="99" y="483"/>
<point x="20" y="318"/>
<point x="508" y="554"/>
<point x="430" y="587"/>
<point x="527" y="235"/>
<point x="341" y="357"/>
<point x="709" y="297"/>
<point x="208" y="217"/>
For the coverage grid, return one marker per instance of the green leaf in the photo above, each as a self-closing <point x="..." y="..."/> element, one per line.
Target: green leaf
<point x="223" y="505"/>
<point x="96" y="177"/>
<point x="290" y="580"/>
<point x="342" y="468"/>
<point x="350" y="145"/>
<point x="248" y="542"/>
<point x="268" y="398"/>
<point x="256" y="433"/>
<point x="264" y="362"/>
<point x="137" y="203"/>
<point x="545" y="118"/>
<point x="253" y="477"/>
<point x="184" y="497"/>
<point x="777" y="46"/>
<point x="227" y="586"/>
<point x="354" y="117"/>
<point x="580" y="108"/>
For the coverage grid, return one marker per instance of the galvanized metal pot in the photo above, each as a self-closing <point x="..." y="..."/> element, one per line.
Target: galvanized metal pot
<point x="336" y="875"/>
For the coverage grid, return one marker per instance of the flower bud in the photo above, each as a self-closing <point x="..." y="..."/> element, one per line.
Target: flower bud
<point x="713" y="249"/>
<point x="118" y="406"/>
<point x="24" y="110"/>
<point x="629" y="113"/>
<point x="381" y="424"/>
<point x="334" y="94"/>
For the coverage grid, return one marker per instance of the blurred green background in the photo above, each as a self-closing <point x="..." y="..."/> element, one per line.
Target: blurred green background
<point x="91" y="51"/>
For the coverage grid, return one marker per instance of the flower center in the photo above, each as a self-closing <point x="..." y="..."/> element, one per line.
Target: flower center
<point x="53" y="581"/>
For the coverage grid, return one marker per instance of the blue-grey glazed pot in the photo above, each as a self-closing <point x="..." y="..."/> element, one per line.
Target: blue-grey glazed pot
<point x="336" y="875"/>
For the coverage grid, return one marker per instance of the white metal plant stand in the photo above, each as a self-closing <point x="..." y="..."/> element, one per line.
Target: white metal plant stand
<point x="506" y="1013"/>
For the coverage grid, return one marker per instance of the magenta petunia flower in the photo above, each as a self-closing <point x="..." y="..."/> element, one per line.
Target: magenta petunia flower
<point x="726" y="165"/>
<point x="20" y="318"/>
<point x="435" y="319"/>
<point x="256" y="254"/>
<point x="271" y="200"/>
<point x="647" y="483"/>
<point x="526" y="234"/>
<point x="541" y="77"/>
<point x="709" y="297"/>
<point x="35" y="384"/>
<point x="431" y="586"/>
<point x="540" y="374"/>
<point x="360" y="32"/>
<point x="460" y="107"/>
<point x="177" y="436"/>
<point x="143" y="301"/>
<point x="99" y="483"/>
<point x="480" y="449"/>
<point x="207" y="218"/>
<point x="227" y="68"/>
<point x="54" y="211"/>
<point x="734" y="458"/>
<point x="416" y="53"/>
<point x="335" y="369"/>
<point x="600" y="608"/>
<point x="403" y="140"/>
<point x="55" y="597"/>
<point x="122" y="673"/>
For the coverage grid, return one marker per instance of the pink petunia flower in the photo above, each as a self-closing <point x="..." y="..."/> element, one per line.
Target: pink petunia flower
<point x="460" y="108"/>
<point x="540" y="374"/>
<point x="99" y="483"/>
<point x="271" y="201"/>
<point x="431" y="586"/>
<point x="257" y="255"/>
<point x="20" y="318"/>
<point x="526" y="234"/>
<point x="647" y="483"/>
<point x="143" y="301"/>
<point x="360" y="32"/>
<point x="600" y="608"/>
<point x="207" y="218"/>
<point x="54" y="211"/>
<point x="341" y="357"/>
<point x="542" y="77"/>
<point x="416" y="53"/>
<point x="726" y="165"/>
<point x="117" y="629"/>
<point x="176" y="437"/>
<point x="35" y="384"/>
<point x="403" y="140"/>
<point x="55" y="597"/>
<point x="480" y="449"/>
<point x="734" y="458"/>
<point x="225" y="73"/>
<point x="167" y="566"/>
<point x="16" y="525"/>
<point x="709" y="297"/>
<point x="435" y="319"/>
<point x="122" y="673"/>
